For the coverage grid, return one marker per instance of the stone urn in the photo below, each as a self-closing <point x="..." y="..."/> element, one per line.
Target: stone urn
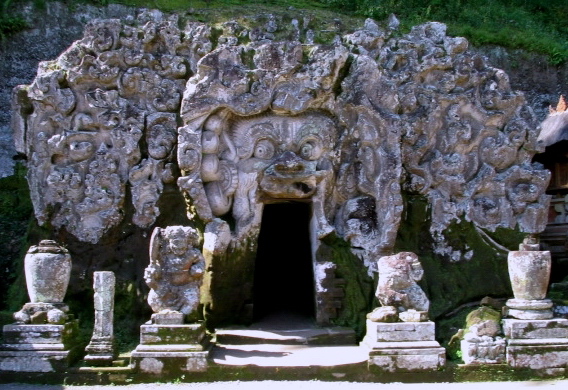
<point x="529" y="272"/>
<point x="48" y="269"/>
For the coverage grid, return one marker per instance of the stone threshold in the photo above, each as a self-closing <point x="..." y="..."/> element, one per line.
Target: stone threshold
<point x="308" y="336"/>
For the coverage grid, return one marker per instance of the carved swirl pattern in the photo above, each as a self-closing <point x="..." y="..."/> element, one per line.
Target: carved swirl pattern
<point x="105" y="117"/>
<point x="359" y="123"/>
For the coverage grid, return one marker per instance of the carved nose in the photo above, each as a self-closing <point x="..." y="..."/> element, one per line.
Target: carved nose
<point x="289" y="162"/>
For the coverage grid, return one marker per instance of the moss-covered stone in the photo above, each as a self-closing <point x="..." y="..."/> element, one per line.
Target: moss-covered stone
<point x="359" y="286"/>
<point x="15" y="214"/>
<point x="227" y="290"/>
<point x="447" y="282"/>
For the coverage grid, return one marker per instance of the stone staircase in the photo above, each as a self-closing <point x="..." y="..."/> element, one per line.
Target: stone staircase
<point x="287" y="342"/>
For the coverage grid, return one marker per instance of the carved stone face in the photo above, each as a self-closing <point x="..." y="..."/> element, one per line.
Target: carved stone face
<point x="177" y="242"/>
<point x="289" y="153"/>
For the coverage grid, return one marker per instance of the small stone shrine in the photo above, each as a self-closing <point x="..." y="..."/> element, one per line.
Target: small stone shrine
<point x="175" y="275"/>
<point x="536" y="340"/>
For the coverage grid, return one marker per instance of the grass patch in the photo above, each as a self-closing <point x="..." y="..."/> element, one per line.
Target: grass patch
<point x="516" y="24"/>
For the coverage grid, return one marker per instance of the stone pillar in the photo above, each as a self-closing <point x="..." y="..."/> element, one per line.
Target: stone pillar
<point x="100" y="350"/>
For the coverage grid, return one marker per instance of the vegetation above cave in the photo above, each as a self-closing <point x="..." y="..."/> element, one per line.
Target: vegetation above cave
<point x="531" y="25"/>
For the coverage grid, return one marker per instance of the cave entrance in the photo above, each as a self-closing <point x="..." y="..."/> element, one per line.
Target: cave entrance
<point x="284" y="278"/>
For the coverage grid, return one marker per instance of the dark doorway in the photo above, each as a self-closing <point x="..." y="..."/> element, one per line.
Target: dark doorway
<point x="283" y="278"/>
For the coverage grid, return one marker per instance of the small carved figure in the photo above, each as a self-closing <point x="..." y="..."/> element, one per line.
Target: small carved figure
<point x="175" y="271"/>
<point x="397" y="286"/>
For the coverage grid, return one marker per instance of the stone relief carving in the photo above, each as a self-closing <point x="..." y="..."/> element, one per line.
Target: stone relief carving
<point x="175" y="272"/>
<point x="348" y="127"/>
<point x="104" y="116"/>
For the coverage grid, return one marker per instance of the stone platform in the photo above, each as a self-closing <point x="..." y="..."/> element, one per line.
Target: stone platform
<point x="169" y="349"/>
<point x="537" y="344"/>
<point x="404" y="346"/>
<point x="39" y="348"/>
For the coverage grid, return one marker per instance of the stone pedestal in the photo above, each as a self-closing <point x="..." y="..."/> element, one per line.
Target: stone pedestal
<point x="39" y="348"/>
<point x="537" y="344"/>
<point x="404" y="346"/>
<point x="529" y="309"/>
<point x="100" y="350"/>
<point x="171" y="349"/>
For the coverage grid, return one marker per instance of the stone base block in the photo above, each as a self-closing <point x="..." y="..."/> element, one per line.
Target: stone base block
<point x="536" y="329"/>
<point x="36" y="361"/>
<point x="527" y="309"/>
<point x="538" y="354"/>
<point x="100" y="353"/>
<point x="172" y="334"/>
<point x="160" y="360"/>
<point x="484" y="350"/>
<point x="171" y="349"/>
<point x="42" y="334"/>
<point x="380" y="332"/>
<point x="408" y="356"/>
<point x="39" y="348"/>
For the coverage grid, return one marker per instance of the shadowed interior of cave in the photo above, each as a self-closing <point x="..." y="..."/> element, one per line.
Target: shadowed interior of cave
<point x="283" y="280"/>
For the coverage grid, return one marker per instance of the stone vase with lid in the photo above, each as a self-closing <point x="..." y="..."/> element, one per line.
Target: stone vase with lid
<point x="529" y="271"/>
<point x="48" y="270"/>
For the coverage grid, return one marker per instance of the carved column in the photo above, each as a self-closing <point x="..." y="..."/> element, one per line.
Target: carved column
<point x="100" y="350"/>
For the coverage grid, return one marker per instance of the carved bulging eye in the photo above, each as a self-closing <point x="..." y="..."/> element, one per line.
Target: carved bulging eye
<point x="264" y="149"/>
<point x="307" y="150"/>
<point x="310" y="150"/>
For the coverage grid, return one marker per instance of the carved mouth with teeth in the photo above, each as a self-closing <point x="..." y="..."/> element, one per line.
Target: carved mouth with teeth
<point x="288" y="188"/>
<point x="290" y="177"/>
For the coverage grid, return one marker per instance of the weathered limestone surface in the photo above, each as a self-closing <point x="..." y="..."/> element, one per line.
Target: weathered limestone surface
<point x="167" y="349"/>
<point x="397" y="285"/>
<point x="466" y="137"/>
<point x="529" y="271"/>
<point x="48" y="269"/>
<point x="241" y="120"/>
<point x="483" y="341"/>
<point x="404" y="347"/>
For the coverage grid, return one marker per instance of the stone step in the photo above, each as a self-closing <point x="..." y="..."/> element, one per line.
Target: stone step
<point x="309" y="336"/>
<point x="120" y="362"/>
<point x="271" y="355"/>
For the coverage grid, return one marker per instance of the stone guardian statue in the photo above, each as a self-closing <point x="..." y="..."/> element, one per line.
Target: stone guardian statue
<point x="175" y="274"/>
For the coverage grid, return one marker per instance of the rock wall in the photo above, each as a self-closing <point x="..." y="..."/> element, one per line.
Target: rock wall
<point x="140" y="112"/>
<point x="57" y="26"/>
<point x="51" y="31"/>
